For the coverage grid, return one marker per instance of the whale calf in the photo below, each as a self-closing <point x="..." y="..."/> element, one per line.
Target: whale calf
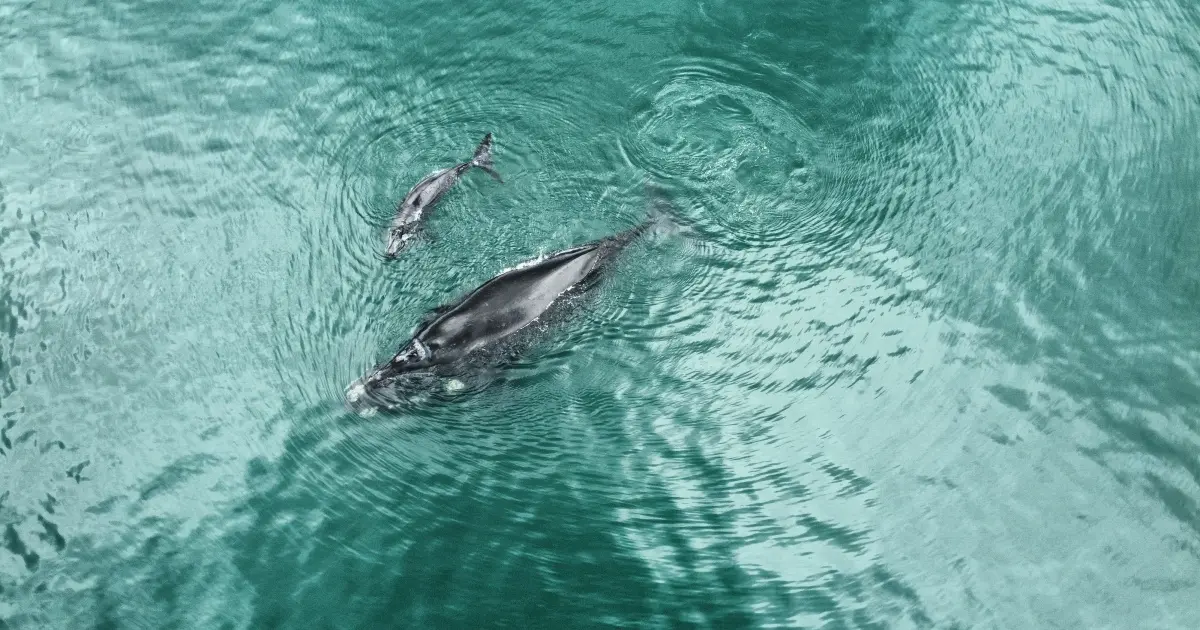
<point x="490" y="323"/>
<point x="419" y="201"/>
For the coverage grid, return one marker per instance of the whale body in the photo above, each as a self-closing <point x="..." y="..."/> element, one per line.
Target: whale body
<point x="418" y="203"/>
<point x="490" y="323"/>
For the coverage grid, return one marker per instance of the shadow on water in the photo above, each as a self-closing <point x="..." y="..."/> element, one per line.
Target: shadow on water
<point x="441" y="519"/>
<point x="426" y="522"/>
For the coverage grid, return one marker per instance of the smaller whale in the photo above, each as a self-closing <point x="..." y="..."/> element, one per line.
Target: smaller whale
<point x="490" y="325"/>
<point x="419" y="202"/>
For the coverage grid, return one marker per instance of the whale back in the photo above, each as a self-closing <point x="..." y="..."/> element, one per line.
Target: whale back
<point x="508" y="302"/>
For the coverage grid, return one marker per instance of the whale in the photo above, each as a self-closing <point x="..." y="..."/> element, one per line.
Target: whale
<point x="414" y="209"/>
<point x="492" y="323"/>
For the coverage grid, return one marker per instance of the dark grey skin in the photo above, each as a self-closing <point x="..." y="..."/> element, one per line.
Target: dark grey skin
<point x="490" y="324"/>
<point x="418" y="203"/>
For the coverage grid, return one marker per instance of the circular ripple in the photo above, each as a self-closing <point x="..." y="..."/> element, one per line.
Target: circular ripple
<point x="744" y="157"/>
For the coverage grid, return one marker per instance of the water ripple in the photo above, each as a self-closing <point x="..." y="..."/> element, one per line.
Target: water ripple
<point x="929" y="312"/>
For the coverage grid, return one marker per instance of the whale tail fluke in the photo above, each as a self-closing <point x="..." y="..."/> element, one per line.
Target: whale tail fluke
<point x="483" y="158"/>
<point x="662" y="217"/>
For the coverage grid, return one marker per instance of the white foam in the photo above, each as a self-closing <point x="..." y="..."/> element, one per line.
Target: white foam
<point x="528" y="263"/>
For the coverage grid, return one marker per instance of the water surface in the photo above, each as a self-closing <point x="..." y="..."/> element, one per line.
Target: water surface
<point x="927" y="355"/>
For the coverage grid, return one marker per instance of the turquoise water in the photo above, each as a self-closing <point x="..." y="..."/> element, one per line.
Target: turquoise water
<point x="926" y="356"/>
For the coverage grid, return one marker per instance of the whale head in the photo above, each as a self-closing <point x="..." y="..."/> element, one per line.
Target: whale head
<point x="392" y="382"/>
<point x="399" y="239"/>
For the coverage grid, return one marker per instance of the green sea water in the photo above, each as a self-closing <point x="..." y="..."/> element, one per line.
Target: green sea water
<point x="926" y="353"/>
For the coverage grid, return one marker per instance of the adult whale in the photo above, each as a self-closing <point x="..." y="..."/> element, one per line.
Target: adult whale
<point x="425" y="194"/>
<point x="491" y="323"/>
